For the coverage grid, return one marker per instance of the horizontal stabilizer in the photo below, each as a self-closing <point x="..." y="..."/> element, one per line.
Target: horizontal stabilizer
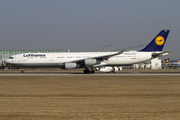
<point x="154" y="54"/>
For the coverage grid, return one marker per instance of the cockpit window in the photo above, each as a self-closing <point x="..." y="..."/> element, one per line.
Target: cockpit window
<point x="10" y="57"/>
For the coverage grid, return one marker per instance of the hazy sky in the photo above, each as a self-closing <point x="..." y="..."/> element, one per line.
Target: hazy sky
<point x="87" y="25"/>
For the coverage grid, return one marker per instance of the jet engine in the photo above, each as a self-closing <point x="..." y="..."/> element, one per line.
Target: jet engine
<point x="92" y="62"/>
<point x="71" y="65"/>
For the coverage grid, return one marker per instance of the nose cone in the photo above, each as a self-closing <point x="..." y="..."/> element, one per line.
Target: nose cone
<point x="8" y="61"/>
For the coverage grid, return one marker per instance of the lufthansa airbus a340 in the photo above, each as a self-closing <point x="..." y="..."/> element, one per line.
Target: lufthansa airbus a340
<point x="92" y="60"/>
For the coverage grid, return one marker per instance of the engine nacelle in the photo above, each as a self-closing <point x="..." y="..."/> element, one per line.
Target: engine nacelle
<point x="71" y="65"/>
<point x="92" y="62"/>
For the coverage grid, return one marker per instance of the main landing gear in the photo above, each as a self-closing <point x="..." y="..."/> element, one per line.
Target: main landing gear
<point x="89" y="71"/>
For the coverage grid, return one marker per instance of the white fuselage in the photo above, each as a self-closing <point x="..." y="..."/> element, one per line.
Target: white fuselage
<point x="58" y="59"/>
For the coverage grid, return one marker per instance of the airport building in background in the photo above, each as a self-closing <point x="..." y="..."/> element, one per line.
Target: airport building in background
<point x="151" y="64"/>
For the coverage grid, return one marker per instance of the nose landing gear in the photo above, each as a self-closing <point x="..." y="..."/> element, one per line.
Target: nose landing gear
<point x="22" y="71"/>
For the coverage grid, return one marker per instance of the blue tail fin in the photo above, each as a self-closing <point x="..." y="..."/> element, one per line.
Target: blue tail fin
<point x="158" y="42"/>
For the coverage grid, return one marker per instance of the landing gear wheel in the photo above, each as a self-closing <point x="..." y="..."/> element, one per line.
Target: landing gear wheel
<point x="93" y="71"/>
<point x="22" y="71"/>
<point x="86" y="71"/>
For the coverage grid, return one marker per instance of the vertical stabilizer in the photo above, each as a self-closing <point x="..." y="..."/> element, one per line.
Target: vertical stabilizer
<point x="158" y="42"/>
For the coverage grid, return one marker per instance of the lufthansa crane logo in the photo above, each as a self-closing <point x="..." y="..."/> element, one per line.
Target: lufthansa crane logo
<point x="159" y="40"/>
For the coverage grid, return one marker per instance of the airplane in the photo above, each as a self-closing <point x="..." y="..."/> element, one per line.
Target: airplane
<point x="92" y="60"/>
<point x="109" y="69"/>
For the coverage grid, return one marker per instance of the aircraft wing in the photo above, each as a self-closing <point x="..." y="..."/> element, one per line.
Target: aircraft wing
<point x="101" y="58"/>
<point x="105" y="57"/>
<point x="154" y="54"/>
